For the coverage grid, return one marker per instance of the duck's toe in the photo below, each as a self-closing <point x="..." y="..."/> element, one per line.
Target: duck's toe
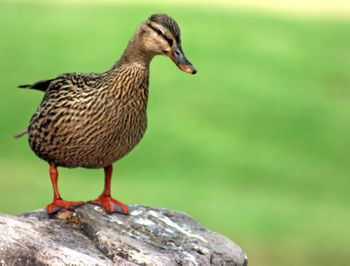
<point x="110" y="205"/>
<point x="60" y="204"/>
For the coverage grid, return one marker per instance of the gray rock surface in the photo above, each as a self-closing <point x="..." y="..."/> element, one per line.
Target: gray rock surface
<point x="89" y="236"/>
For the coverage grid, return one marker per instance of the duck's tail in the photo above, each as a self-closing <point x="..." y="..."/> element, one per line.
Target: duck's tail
<point x="20" y="134"/>
<point x="24" y="86"/>
<point x="40" y="85"/>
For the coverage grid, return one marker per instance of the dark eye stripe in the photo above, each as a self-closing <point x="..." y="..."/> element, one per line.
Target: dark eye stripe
<point x="170" y="41"/>
<point x="159" y="32"/>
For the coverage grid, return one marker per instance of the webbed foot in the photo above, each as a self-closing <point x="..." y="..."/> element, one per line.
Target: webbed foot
<point x="60" y="204"/>
<point x="110" y="205"/>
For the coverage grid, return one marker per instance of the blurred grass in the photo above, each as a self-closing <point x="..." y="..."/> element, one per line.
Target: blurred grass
<point x="255" y="146"/>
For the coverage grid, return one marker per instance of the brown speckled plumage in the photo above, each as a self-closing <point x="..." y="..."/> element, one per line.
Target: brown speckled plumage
<point x="92" y="120"/>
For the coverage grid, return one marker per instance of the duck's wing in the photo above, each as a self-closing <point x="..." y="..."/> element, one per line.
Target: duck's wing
<point x="73" y="81"/>
<point x="42" y="85"/>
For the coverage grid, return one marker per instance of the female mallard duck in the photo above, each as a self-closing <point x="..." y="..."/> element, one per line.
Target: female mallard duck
<point x="93" y="120"/>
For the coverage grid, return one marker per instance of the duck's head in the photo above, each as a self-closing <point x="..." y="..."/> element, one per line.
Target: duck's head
<point x="160" y="35"/>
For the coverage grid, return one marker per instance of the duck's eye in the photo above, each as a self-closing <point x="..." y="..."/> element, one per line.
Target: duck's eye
<point x="159" y="32"/>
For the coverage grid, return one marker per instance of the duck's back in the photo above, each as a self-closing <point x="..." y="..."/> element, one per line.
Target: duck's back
<point x="90" y="120"/>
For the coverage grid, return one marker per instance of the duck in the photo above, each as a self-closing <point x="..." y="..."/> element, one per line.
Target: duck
<point x="93" y="120"/>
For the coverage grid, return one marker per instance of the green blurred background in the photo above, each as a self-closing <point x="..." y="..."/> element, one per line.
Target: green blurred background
<point x="256" y="146"/>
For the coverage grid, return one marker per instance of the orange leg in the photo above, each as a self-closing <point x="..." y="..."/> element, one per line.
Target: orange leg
<point x="105" y="200"/>
<point x="58" y="203"/>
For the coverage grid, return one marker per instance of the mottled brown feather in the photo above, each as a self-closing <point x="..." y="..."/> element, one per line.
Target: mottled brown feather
<point x="90" y="120"/>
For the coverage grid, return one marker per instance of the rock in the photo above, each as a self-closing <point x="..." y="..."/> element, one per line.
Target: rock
<point x="89" y="236"/>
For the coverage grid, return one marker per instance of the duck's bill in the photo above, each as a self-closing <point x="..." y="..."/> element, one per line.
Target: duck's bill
<point x="179" y="58"/>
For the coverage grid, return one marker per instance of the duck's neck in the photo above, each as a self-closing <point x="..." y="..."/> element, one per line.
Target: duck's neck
<point x="134" y="56"/>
